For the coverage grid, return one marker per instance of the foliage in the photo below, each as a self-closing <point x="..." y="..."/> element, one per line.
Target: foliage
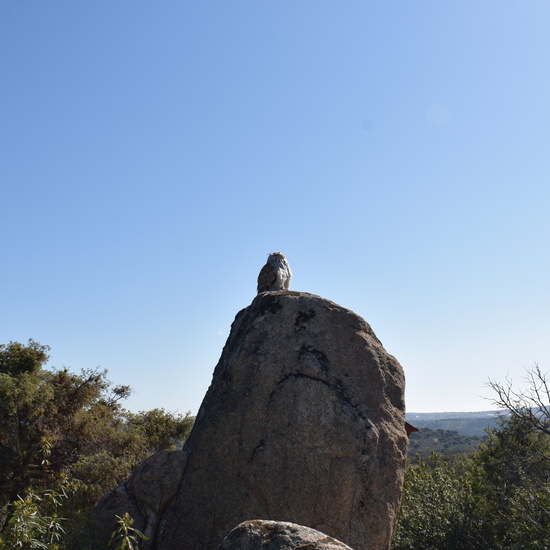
<point x="511" y="475"/>
<point x="57" y="427"/>
<point x="16" y="358"/>
<point x="160" y="429"/>
<point x="35" y="521"/>
<point x="499" y="497"/>
<point x="126" y="536"/>
<point x="435" y="508"/>
<point x="445" y="443"/>
<point x="513" y="469"/>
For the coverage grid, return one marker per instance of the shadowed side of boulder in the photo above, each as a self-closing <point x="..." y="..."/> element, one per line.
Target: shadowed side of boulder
<point x="145" y="496"/>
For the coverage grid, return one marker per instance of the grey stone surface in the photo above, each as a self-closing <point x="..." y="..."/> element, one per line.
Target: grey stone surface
<point x="145" y="496"/>
<point x="303" y="422"/>
<point x="278" y="535"/>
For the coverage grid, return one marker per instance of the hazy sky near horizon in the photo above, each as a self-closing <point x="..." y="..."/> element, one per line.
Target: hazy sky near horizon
<point x="152" y="154"/>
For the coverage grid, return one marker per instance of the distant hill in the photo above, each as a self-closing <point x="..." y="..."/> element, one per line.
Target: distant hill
<point x="449" y="434"/>
<point x="445" y="443"/>
<point x="464" y="423"/>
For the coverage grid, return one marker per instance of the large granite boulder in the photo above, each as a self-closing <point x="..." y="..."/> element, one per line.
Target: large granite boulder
<point x="278" y="535"/>
<point x="303" y="423"/>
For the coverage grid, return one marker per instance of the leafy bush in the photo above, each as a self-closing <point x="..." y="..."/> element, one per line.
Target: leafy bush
<point x="435" y="511"/>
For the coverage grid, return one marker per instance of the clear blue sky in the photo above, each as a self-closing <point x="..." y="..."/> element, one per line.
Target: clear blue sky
<point x="153" y="153"/>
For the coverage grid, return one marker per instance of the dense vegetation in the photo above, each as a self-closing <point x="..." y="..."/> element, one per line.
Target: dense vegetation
<point x="498" y="497"/>
<point x="447" y="443"/>
<point x="65" y="440"/>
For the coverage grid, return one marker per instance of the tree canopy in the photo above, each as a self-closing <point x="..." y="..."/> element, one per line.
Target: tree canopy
<point x="499" y="497"/>
<point x="67" y="432"/>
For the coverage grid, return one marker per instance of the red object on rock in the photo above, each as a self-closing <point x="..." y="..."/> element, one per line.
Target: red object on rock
<point x="410" y="429"/>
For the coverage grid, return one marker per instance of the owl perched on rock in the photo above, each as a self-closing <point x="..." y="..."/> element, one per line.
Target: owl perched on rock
<point x="275" y="274"/>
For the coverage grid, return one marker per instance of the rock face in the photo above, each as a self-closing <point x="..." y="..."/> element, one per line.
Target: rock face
<point x="145" y="496"/>
<point x="278" y="535"/>
<point x="304" y="422"/>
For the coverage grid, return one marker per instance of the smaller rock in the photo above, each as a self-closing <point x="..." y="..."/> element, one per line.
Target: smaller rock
<point x="144" y="496"/>
<point x="260" y="534"/>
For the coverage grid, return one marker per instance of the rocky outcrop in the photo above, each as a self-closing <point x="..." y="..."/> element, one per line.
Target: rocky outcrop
<point x="303" y="422"/>
<point x="278" y="535"/>
<point x="145" y="496"/>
